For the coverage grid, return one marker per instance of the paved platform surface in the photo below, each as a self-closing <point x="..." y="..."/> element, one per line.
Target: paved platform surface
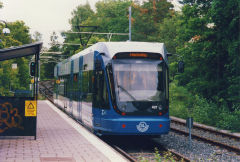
<point x="59" y="138"/>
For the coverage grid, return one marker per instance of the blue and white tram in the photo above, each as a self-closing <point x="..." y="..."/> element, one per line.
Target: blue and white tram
<point x="116" y="88"/>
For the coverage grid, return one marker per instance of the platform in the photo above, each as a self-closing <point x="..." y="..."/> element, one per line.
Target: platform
<point x="59" y="138"/>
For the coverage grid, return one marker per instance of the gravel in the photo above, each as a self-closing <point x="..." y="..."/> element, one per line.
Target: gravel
<point x="206" y="134"/>
<point x="199" y="150"/>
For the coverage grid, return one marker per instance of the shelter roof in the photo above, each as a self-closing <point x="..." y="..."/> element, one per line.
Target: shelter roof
<point x="20" y="51"/>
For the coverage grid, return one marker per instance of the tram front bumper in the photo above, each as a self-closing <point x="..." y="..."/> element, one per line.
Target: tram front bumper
<point x="136" y="126"/>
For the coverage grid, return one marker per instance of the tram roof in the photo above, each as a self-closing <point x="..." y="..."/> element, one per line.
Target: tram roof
<point x="111" y="48"/>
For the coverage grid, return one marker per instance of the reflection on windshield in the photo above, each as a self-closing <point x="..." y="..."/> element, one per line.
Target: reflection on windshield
<point x="139" y="81"/>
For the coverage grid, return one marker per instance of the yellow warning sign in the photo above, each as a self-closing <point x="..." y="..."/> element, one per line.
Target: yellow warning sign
<point x="58" y="81"/>
<point x="30" y="108"/>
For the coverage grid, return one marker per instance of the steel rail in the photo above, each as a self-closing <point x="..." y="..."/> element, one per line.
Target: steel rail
<point x="179" y="156"/>
<point x="122" y="152"/>
<point x="126" y="155"/>
<point x="228" y="147"/>
<point x="212" y="130"/>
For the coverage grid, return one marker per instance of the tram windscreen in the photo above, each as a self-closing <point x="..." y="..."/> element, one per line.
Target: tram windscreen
<point x="139" y="80"/>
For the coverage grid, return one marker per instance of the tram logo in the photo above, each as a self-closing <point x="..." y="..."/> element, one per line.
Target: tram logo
<point x="142" y="127"/>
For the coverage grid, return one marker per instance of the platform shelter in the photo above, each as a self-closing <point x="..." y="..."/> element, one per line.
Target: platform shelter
<point x="18" y="112"/>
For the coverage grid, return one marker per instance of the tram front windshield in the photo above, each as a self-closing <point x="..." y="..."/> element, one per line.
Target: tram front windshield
<point x="139" y="80"/>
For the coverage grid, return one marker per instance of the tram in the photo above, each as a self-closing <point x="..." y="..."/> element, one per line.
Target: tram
<point x="116" y="88"/>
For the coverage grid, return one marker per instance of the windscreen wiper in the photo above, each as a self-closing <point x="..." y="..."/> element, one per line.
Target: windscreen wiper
<point x="127" y="92"/>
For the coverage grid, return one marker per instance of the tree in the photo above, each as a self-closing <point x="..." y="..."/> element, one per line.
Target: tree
<point x="112" y="17"/>
<point x="23" y="73"/>
<point x="226" y="18"/>
<point x="20" y="32"/>
<point x="47" y="71"/>
<point x="37" y="36"/>
<point x="148" y="17"/>
<point x="210" y="51"/>
<point x="12" y="79"/>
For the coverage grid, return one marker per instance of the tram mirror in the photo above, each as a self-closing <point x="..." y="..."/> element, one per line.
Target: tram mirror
<point x="180" y="66"/>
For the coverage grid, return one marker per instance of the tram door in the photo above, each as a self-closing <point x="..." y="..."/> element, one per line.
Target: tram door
<point x="100" y="97"/>
<point x="71" y="89"/>
<point x="65" y="93"/>
<point x="79" y="103"/>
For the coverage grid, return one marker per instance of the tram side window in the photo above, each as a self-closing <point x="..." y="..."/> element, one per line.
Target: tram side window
<point x="85" y="82"/>
<point x="101" y="93"/>
<point x="90" y="82"/>
<point x="85" y="85"/>
<point x="65" y="86"/>
<point x="60" y="87"/>
<point x="75" y="87"/>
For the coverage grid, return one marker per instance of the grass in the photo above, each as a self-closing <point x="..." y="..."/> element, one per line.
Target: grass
<point x="183" y="104"/>
<point x="160" y="157"/>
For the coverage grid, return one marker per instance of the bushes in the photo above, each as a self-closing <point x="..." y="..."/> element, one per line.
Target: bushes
<point x="183" y="104"/>
<point x="230" y="121"/>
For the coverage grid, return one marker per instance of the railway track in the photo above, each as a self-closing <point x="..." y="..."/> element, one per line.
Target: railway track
<point x="177" y="126"/>
<point x="224" y="140"/>
<point x="46" y="89"/>
<point x="210" y="135"/>
<point x="149" y="150"/>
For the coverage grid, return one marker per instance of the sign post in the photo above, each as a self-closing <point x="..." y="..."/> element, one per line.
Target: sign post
<point x="189" y="124"/>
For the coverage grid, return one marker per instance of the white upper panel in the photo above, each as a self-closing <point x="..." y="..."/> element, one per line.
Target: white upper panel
<point x="110" y="49"/>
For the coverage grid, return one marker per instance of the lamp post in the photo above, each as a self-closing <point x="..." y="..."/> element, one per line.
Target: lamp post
<point x="5" y="30"/>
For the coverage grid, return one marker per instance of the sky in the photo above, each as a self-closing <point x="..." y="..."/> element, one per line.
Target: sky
<point x="44" y="16"/>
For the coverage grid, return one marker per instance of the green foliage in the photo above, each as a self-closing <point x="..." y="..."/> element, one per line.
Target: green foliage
<point x="210" y="53"/>
<point x="14" y="79"/>
<point x="23" y="72"/>
<point x="47" y="69"/>
<point x="147" y="19"/>
<point x="179" y="99"/>
<point x="112" y="16"/>
<point x="167" y="156"/>
<point x="205" y="35"/>
<point x="184" y="104"/>
<point x="167" y="33"/>
<point x="230" y="120"/>
<point x="20" y="32"/>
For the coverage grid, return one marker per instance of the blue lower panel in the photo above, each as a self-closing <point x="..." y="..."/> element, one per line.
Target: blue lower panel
<point x="134" y="126"/>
